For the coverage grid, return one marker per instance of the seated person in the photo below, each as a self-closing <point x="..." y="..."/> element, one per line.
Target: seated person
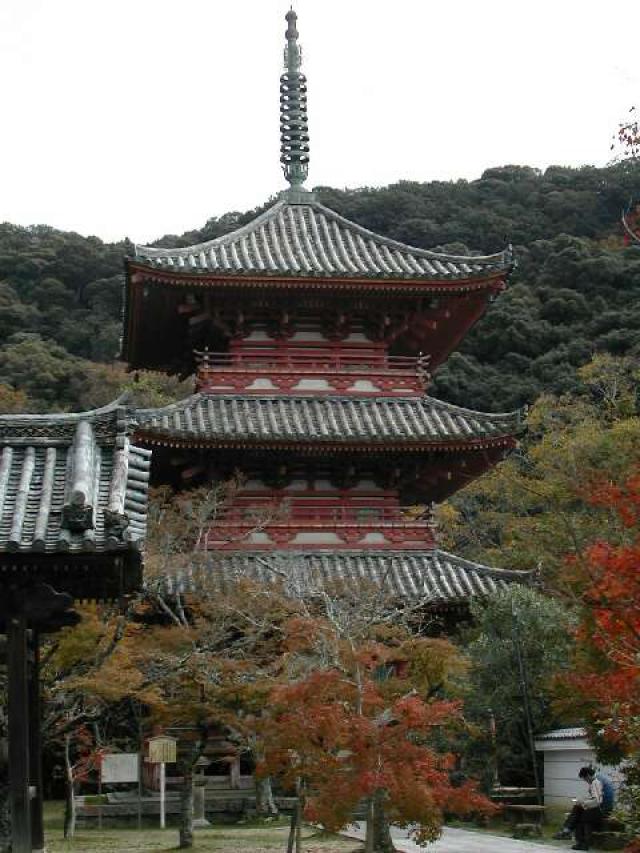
<point x="588" y="813"/>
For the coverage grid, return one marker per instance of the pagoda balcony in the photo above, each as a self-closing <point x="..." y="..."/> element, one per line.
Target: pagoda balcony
<point x="312" y="370"/>
<point x="279" y="526"/>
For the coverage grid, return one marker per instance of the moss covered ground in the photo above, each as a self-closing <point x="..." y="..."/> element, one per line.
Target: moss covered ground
<point x="223" y="838"/>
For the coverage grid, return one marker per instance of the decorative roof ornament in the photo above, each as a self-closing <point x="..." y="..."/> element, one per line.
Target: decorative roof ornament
<point x="294" y="128"/>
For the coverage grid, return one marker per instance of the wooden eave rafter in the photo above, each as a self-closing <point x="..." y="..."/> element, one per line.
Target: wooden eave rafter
<point x="102" y="576"/>
<point x="318" y="448"/>
<point x="139" y="273"/>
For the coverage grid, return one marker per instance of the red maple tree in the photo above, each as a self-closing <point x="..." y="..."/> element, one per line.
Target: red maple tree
<point x="363" y="730"/>
<point x="611" y="620"/>
<point x="607" y="680"/>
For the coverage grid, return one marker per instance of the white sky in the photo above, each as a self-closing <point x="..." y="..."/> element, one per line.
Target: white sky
<point x="146" y="117"/>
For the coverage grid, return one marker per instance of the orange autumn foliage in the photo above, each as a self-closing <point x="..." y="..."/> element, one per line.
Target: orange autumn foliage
<point x="611" y="623"/>
<point x="349" y="734"/>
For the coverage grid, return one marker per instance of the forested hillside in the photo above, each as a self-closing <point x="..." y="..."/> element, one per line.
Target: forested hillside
<point x="576" y="290"/>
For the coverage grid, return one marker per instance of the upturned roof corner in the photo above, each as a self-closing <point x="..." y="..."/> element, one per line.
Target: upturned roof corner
<point x="72" y="482"/>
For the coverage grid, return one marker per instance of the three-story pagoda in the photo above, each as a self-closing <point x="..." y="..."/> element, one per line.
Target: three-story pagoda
<point x="313" y="339"/>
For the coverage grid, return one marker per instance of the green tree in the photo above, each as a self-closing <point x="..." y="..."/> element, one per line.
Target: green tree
<point x="519" y="625"/>
<point x="533" y="509"/>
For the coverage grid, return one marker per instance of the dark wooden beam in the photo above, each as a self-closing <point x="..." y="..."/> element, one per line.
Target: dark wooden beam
<point x="35" y="746"/>
<point x="18" y="733"/>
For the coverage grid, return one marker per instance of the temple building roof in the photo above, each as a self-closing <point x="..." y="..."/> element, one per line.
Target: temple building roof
<point x="435" y="576"/>
<point x="236" y="420"/>
<point x="72" y="483"/>
<point x="302" y="238"/>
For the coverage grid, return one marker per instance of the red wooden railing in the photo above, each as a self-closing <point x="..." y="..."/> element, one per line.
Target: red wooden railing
<point x="351" y="524"/>
<point x="295" y="515"/>
<point x="312" y="360"/>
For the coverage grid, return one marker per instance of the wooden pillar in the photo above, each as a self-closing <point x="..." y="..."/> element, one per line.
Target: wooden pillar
<point x="35" y="747"/>
<point x="18" y="733"/>
<point x="235" y="772"/>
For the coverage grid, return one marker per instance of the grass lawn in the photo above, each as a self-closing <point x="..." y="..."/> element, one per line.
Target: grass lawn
<point x="225" y="838"/>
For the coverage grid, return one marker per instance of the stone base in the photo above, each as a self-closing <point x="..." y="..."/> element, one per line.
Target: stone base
<point x="527" y="830"/>
<point x="610" y="840"/>
<point x="201" y="823"/>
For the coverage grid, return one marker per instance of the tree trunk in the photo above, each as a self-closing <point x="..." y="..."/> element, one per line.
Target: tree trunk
<point x="299" y="829"/>
<point x="382" y="842"/>
<point x="70" y="812"/>
<point x="70" y="794"/>
<point x="291" y="840"/>
<point x="186" y="808"/>
<point x="265" y="804"/>
<point x="294" y="842"/>
<point x="368" y="838"/>
<point x="299" y="813"/>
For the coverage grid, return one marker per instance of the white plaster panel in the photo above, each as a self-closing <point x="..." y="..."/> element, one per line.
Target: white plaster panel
<point x="262" y="384"/>
<point x="312" y="385"/>
<point x="323" y="485"/>
<point x="258" y="536"/>
<point x="364" y="385"/>
<point x="366" y="485"/>
<point x="303" y="335"/>
<point x="297" y="486"/>
<point x="253" y="485"/>
<point x="317" y="538"/>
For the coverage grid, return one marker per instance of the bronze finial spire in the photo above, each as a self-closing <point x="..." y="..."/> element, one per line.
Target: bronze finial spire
<point x="294" y="129"/>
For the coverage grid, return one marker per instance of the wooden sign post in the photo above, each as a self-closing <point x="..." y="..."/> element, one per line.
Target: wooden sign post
<point x="163" y="750"/>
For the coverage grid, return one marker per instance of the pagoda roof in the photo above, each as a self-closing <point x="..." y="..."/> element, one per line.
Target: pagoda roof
<point x="335" y="421"/>
<point x="305" y="239"/>
<point x="435" y="576"/>
<point x="72" y="483"/>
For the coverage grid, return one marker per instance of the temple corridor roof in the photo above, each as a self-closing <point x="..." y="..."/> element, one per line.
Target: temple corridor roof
<point x="307" y="239"/>
<point x="435" y="576"/>
<point x="72" y="483"/>
<point x="248" y="419"/>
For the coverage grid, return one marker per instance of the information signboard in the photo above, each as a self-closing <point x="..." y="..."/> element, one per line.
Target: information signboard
<point x="163" y="749"/>
<point x="119" y="767"/>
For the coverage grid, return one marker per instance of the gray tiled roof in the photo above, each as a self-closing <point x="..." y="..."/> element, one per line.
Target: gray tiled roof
<point x="434" y="576"/>
<point x="308" y="239"/>
<point x="72" y="482"/>
<point x="211" y="418"/>
<point x="571" y="733"/>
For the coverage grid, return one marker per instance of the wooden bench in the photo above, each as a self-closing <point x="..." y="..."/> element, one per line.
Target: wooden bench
<point x="516" y="811"/>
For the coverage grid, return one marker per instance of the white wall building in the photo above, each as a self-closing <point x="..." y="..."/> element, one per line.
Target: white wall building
<point x="565" y="752"/>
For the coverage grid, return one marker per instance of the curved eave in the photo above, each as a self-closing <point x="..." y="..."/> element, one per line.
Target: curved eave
<point x="491" y="280"/>
<point x="305" y="238"/>
<point x="488" y="571"/>
<point x="167" y="438"/>
<point x="80" y="548"/>
<point x="336" y="423"/>
<point x="28" y="421"/>
<point x="435" y="578"/>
